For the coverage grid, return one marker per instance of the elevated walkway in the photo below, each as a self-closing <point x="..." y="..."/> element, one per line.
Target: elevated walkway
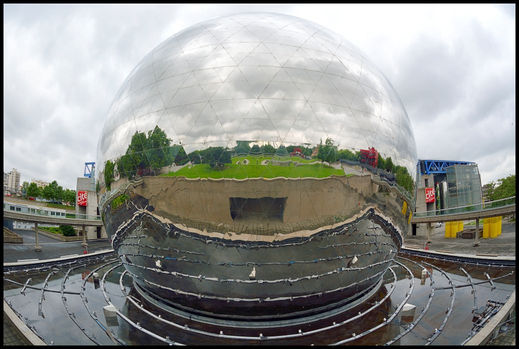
<point x="488" y="209"/>
<point x="72" y="219"/>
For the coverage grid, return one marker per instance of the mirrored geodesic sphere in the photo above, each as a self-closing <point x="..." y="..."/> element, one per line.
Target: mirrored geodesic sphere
<point x="256" y="165"/>
<point x="265" y="79"/>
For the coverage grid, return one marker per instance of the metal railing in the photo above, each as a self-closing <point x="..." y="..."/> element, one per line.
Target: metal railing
<point x="484" y="206"/>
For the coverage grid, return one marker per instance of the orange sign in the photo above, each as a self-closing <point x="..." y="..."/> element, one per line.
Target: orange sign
<point x="429" y="195"/>
<point x="82" y="198"/>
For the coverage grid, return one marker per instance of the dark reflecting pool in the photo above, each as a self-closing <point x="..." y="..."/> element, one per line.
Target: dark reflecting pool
<point x="404" y="309"/>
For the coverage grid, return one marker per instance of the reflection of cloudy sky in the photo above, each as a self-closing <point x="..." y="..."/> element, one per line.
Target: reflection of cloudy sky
<point x="453" y="66"/>
<point x="270" y="78"/>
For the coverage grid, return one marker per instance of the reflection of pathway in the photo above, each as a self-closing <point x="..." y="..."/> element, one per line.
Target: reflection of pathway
<point x="355" y="170"/>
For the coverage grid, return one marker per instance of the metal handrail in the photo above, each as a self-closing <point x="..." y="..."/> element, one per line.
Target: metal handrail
<point x="454" y="209"/>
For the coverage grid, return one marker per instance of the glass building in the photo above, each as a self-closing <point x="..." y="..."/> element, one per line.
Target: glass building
<point x="463" y="186"/>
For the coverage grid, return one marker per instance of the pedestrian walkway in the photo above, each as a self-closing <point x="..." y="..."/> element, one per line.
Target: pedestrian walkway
<point x="50" y="248"/>
<point x="503" y="245"/>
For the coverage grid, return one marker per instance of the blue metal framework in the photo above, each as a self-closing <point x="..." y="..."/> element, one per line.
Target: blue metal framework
<point x="438" y="166"/>
<point x="89" y="169"/>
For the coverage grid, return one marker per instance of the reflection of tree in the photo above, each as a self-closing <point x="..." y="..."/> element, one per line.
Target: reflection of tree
<point x="304" y="150"/>
<point x="255" y="149"/>
<point x="109" y="173"/>
<point x="216" y="157"/>
<point x="345" y="154"/>
<point x="328" y="151"/>
<point x="282" y="151"/>
<point x="267" y="149"/>
<point x="242" y="148"/>
<point x="146" y="154"/>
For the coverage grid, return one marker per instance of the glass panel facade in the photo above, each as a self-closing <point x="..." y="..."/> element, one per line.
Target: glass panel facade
<point x="463" y="186"/>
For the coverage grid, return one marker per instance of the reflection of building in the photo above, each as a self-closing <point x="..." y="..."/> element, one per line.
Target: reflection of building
<point x="444" y="184"/>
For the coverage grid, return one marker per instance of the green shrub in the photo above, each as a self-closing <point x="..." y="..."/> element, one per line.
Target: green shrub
<point x="67" y="230"/>
<point x="118" y="201"/>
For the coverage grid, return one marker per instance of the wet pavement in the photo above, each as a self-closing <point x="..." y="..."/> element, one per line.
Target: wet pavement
<point x="503" y="245"/>
<point x="50" y="248"/>
<point x="464" y="300"/>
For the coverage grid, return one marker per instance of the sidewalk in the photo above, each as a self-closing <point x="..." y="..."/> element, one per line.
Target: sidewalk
<point x="503" y="245"/>
<point x="50" y="248"/>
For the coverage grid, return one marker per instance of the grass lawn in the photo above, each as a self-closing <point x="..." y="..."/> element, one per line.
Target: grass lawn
<point x="53" y="230"/>
<point x="256" y="171"/>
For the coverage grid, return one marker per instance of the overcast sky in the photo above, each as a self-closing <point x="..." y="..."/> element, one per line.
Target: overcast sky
<point x="453" y="67"/>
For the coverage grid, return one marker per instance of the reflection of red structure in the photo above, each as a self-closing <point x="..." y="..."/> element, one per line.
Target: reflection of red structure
<point x="369" y="156"/>
<point x="296" y="152"/>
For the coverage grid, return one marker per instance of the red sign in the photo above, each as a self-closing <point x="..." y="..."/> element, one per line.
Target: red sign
<point x="82" y="198"/>
<point x="429" y="195"/>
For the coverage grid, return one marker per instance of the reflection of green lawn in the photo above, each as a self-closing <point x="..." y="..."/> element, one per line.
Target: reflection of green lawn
<point x="257" y="159"/>
<point x="255" y="171"/>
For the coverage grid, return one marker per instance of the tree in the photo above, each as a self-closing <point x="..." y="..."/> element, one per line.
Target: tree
<point x="70" y="196"/>
<point x="33" y="190"/>
<point x="282" y="151"/>
<point x="25" y="186"/>
<point x="242" y="147"/>
<point x="328" y="151"/>
<point x="216" y="157"/>
<point x="503" y="188"/>
<point x="109" y="173"/>
<point x="404" y="179"/>
<point x="267" y="149"/>
<point x="347" y="155"/>
<point x="389" y="165"/>
<point x="195" y="157"/>
<point x="181" y="157"/>
<point x="67" y="230"/>
<point x="255" y="149"/>
<point x="47" y="192"/>
<point x="156" y="149"/>
<point x="149" y="152"/>
<point x="381" y="163"/>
